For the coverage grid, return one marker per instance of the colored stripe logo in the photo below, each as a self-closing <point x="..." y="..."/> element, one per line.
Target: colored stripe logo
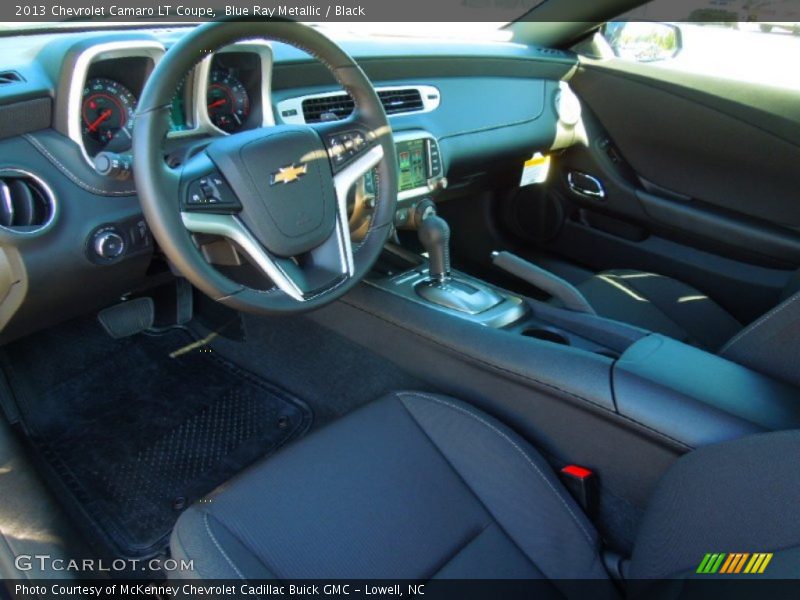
<point x="734" y="563"/>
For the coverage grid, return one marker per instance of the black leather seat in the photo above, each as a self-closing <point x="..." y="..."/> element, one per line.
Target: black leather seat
<point x="665" y="305"/>
<point x="416" y="486"/>
<point x="662" y="305"/>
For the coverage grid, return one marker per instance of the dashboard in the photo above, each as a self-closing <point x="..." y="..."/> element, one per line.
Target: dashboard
<point x="465" y="116"/>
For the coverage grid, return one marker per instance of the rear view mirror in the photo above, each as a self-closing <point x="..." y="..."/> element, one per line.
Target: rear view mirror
<point x="643" y="41"/>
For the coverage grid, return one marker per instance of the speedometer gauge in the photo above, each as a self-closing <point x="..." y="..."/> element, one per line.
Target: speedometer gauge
<point x="107" y="116"/>
<point x="228" y="102"/>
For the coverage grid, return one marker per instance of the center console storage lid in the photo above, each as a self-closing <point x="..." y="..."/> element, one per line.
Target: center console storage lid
<point x="699" y="398"/>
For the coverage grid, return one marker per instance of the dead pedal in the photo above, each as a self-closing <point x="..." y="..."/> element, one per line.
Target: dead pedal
<point x="128" y="318"/>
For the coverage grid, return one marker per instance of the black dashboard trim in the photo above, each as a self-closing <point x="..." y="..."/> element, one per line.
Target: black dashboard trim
<point x="109" y="189"/>
<point x="290" y="75"/>
<point x="24" y="117"/>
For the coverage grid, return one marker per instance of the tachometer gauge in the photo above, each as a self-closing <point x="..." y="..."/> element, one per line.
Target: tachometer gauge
<point x="107" y="116"/>
<point x="228" y="101"/>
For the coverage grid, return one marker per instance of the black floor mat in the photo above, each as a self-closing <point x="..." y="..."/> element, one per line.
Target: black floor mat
<point x="130" y="436"/>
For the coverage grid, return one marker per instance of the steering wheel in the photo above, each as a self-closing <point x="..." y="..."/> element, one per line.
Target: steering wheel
<point x="279" y="194"/>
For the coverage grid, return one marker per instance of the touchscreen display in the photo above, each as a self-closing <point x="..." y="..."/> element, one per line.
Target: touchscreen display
<point x="411" y="165"/>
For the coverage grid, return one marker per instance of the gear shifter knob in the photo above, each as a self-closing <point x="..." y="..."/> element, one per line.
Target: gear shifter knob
<point x="434" y="235"/>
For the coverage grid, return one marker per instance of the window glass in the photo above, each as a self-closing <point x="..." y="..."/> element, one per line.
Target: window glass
<point x="749" y="40"/>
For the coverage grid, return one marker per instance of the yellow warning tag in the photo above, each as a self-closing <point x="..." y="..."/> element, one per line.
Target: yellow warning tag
<point x="535" y="170"/>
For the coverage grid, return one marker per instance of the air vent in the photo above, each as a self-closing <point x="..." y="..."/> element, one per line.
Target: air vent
<point x="340" y="106"/>
<point x="26" y="202"/>
<point x="327" y="108"/>
<point x="401" y="101"/>
<point x="8" y="77"/>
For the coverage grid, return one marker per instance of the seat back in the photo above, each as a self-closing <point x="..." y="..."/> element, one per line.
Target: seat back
<point x="771" y="344"/>
<point x="792" y="287"/>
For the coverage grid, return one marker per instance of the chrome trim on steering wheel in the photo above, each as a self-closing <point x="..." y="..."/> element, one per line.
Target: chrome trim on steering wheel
<point x="343" y="181"/>
<point x="232" y="228"/>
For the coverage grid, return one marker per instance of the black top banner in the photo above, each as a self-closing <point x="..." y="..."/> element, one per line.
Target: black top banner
<point x="303" y="10"/>
<point x="366" y="11"/>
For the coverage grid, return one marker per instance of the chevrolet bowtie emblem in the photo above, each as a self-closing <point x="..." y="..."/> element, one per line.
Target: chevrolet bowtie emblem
<point x="288" y="174"/>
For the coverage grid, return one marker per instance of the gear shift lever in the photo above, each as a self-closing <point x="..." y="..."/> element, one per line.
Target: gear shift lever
<point x="434" y="235"/>
<point x="441" y="289"/>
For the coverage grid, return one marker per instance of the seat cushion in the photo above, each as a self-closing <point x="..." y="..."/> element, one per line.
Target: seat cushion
<point x="662" y="305"/>
<point x="413" y="486"/>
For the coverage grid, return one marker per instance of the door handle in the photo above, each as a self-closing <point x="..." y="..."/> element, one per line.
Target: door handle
<point x="586" y="185"/>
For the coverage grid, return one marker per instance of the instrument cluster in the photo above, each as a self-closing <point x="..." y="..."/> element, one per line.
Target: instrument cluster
<point x="223" y="97"/>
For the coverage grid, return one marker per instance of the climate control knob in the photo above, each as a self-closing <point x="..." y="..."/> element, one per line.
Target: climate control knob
<point x="108" y="244"/>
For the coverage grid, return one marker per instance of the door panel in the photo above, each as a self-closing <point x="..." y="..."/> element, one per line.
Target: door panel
<point x="701" y="182"/>
<point x="694" y="146"/>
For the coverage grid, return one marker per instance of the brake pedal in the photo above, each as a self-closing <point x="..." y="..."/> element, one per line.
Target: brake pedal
<point x="128" y="318"/>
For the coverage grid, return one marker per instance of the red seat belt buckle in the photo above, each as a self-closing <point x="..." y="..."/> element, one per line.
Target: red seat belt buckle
<point x="582" y="485"/>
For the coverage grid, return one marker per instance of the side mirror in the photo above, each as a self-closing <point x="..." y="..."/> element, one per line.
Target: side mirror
<point x="643" y="41"/>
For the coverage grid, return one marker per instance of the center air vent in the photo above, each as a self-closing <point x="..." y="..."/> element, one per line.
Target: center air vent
<point x="327" y="108"/>
<point x="26" y="202"/>
<point x="401" y="101"/>
<point x="334" y="107"/>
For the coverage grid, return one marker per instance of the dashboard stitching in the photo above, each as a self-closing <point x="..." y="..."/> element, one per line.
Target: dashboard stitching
<point x="72" y="176"/>
<point x="491" y="127"/>
<point x="474" y="359"/>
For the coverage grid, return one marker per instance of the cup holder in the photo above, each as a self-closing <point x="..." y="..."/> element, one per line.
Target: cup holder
<point x="547" y="335"/>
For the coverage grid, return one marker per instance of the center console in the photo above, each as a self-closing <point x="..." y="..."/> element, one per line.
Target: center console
<point x="676" y="392"/>
<point x="433" y="284"/>
<point x="683" y="394"/>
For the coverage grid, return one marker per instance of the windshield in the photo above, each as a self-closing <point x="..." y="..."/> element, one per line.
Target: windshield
<point x="463" y="31"/>
<point x="483" y="31"/>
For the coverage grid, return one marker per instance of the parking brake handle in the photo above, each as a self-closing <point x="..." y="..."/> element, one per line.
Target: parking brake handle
<point x="546" y="281"/>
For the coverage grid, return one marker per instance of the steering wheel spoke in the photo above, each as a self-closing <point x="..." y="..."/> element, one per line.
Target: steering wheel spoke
<point x="302" y="278"/>
<point x="204" y="189"/>
<point x="231" y="228"/>
<point x="347" y="177"/>
<point x="347" y="141"/>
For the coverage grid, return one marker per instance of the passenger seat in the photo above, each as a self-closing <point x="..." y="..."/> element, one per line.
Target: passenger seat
<point x="661" y="305"/>
<point x="664" y="305"/>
